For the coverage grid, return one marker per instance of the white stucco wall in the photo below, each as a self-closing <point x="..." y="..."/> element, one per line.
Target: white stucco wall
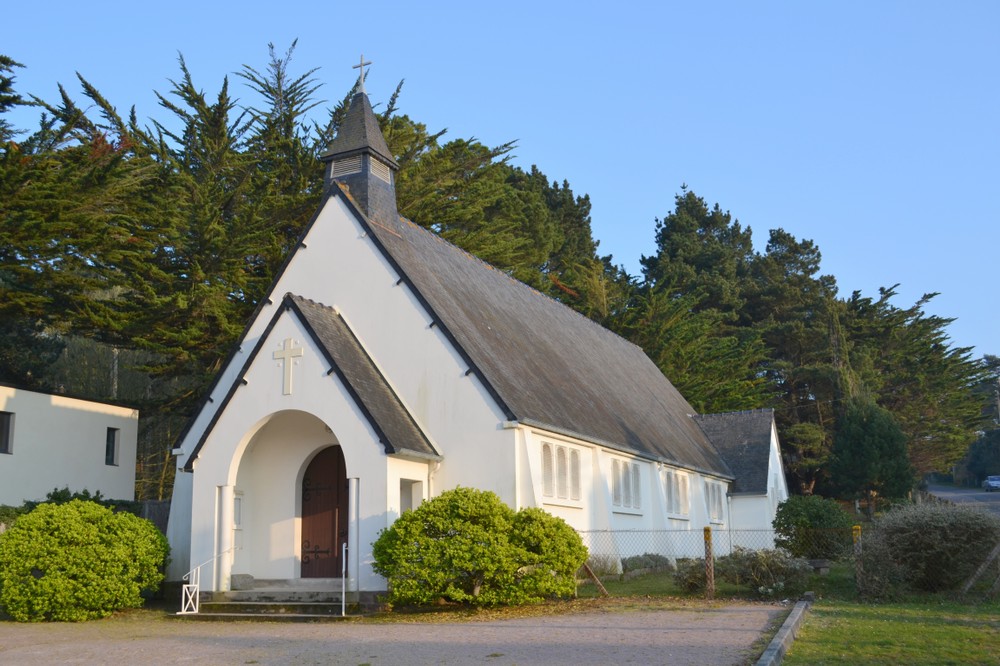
<point x="59" y="442"/>
<point x="619" y="531"/>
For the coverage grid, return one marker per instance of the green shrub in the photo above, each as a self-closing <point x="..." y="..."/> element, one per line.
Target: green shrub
<point x="65" y="495"/>
<point x="646" y="561"/>
<point x="813" y="527"/>
<point x="878" y="577"/>
<point x="689" y="575"/>
<point x="771" y="573"/>
<point x="554" y="553"/>
<point x="926" y="547"/>
<point x="468" y="546"/>
<point x="77" y="561"/>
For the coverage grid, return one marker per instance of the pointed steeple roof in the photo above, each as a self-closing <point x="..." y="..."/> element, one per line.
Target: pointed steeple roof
<point x="360" y="159"/>
<point x="359" y="132"/>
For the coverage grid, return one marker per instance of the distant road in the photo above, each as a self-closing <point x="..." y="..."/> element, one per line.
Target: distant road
<point x="981" y="498"/>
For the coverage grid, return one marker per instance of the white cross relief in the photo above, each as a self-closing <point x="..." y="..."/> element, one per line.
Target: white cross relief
<point x="287" y="353"/>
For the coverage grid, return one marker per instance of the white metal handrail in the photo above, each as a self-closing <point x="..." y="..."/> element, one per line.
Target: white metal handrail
<point x="191" y="591"/>
<point x="343" y="580"/>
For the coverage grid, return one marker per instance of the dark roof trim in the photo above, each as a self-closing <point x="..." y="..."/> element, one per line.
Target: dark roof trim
<point x="333" y="190"/>
<point x="622" y="449"/>
<point x="237" y="383"/>
<point x="420" y="455"/>
<point x="287" y="305"/>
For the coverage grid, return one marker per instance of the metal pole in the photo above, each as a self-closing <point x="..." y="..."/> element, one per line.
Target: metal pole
<point x="343" y="580"/>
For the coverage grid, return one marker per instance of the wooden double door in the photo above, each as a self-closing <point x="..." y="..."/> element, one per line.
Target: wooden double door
<point x="324" y="515"/>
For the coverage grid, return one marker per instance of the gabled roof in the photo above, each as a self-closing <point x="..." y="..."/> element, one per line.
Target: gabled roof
<point x="397" y="431"/>
<point x="744" y="440"/>
<point x="548" y="365"/>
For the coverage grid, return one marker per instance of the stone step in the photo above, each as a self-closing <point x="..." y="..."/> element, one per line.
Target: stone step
<point x="278" y="595"/>
<point x="271" y="608"/>
<point x="264" y="617"/>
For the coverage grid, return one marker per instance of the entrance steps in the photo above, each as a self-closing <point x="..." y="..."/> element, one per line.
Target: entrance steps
<point x="296" y="600"/>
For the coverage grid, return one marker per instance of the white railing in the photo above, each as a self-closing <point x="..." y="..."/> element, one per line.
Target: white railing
<point x="343" y="580"/>
<point x="191" y="590"/>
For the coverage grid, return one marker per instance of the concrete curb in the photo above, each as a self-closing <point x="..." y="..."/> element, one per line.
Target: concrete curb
<point x="782" y="640"/>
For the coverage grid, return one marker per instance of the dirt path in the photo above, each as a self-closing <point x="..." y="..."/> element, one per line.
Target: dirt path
<point x="719" y="635"/>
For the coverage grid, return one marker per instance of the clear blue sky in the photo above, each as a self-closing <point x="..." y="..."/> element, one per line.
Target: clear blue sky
<point x="872" y="128"/>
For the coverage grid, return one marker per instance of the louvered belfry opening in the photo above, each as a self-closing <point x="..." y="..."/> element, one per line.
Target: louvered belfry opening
<point x="359" y="159"/>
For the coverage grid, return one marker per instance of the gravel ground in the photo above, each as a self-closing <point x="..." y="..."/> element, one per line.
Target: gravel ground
<point x="711" y="635"/>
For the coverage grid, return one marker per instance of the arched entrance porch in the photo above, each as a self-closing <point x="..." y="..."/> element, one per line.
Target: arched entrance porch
<point x="293" y="459"/>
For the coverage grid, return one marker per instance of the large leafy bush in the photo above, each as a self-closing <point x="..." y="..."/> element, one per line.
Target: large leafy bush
<point x="924" y="547"/>
<point x="77" y="561"/>
<point x="468" y="546"/>
<point x="813" y="527"/>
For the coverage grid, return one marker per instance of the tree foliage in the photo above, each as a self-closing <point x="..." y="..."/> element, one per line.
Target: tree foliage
<point x="812" y="527"/>
<point x="869" y="458"/>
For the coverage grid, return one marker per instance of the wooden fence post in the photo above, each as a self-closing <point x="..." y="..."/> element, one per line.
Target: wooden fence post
<point x="709" y="565"/>
<point x="858" y="567"/>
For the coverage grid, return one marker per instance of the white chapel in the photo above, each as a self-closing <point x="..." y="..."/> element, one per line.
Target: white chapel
<point x="387" y="365"/>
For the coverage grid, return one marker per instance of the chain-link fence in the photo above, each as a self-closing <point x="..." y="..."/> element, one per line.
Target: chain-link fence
<point x="612" y="551"/>
<point x="762" y="561"/>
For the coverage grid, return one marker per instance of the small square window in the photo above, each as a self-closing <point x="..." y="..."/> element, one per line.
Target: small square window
<point x="111" y="446"/>
<point x="6" y="432"/>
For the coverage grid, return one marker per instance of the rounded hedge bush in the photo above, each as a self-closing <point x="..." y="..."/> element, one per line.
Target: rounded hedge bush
<point x="924" y="547"/>
<point x="77" y="561"/>
<point x="813" y="527"/>
<point x="467" y="546"/>
<point x="551" y="553"/>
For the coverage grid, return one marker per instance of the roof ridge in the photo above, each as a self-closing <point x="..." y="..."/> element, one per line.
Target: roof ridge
<point x="736" y="412"/>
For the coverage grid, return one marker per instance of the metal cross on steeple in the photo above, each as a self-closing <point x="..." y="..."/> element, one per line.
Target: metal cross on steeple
<point x="361" y="76"/>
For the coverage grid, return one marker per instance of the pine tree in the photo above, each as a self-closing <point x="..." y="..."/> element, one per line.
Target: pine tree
<point x="869" y="457"/>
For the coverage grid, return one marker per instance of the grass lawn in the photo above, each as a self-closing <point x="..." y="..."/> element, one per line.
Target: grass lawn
<point x="931" y="629"/>
<point x="929" y="632"/>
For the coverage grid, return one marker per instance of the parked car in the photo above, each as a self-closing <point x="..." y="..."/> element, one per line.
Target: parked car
<point x="991" y="483"/>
